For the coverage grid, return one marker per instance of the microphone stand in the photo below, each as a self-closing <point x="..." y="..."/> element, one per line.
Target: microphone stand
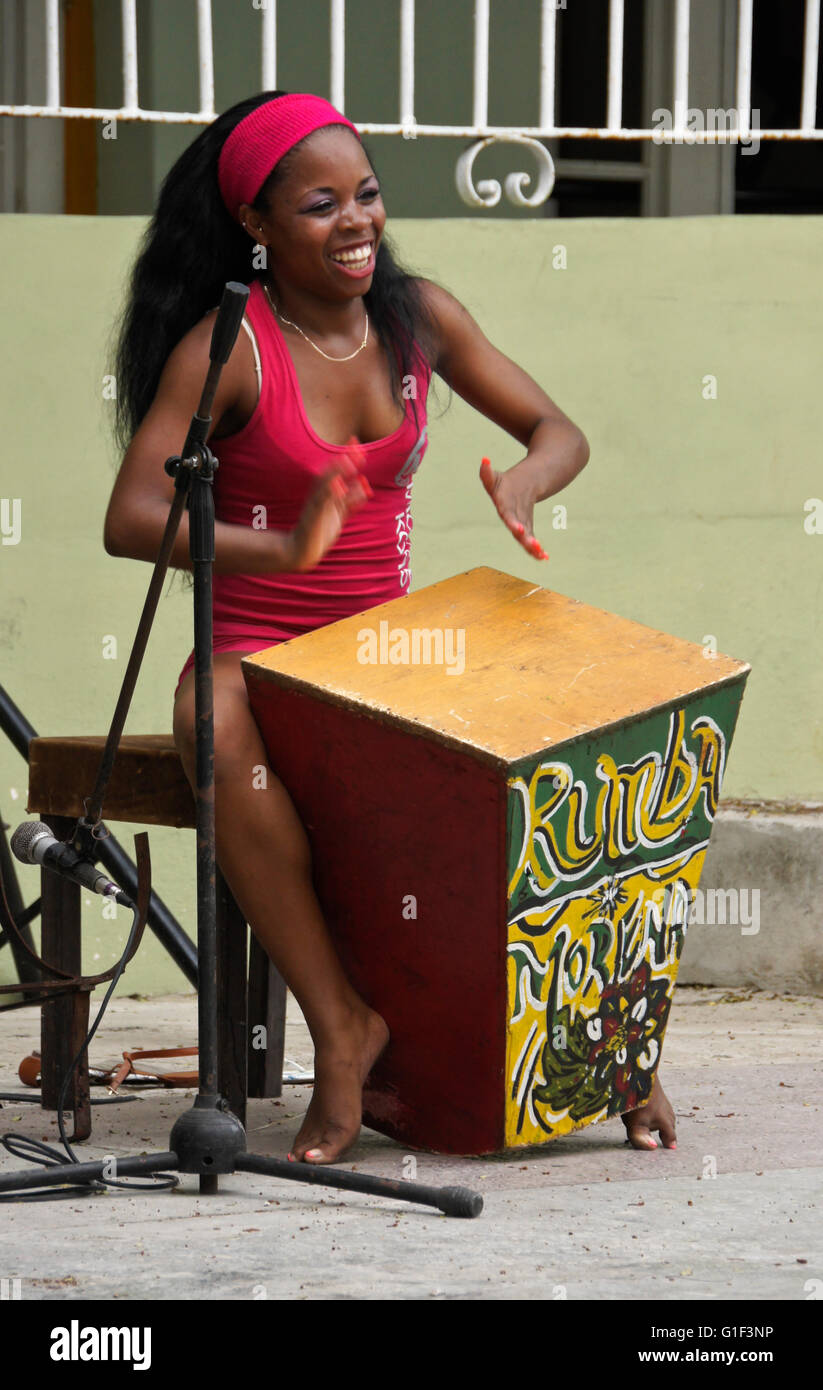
<point x="207" y="1139"/>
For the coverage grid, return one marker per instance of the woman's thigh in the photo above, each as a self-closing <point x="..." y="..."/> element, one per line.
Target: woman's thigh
<point x="237" y="740"/>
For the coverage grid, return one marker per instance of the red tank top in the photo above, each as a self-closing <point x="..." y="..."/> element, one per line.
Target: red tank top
<point x="265" y="475"/>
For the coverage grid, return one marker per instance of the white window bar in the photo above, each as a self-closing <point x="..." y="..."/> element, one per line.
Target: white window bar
<point x="480" y="128"/>
<point x="407" y="66"/>
<point x="811" y="40"/>
<point x="268" y="56"/>
<point x="205" y="55"/>
<point x="481" y="64"/>
<point x="614" y="104"/>
<point x="338" y="54"/>
<point x="52" y="53"/>
<point x="681" y="61"/>
<point x="128" y="10"/>
<point x="744" y="63"/>
<point x="548" y="49"/>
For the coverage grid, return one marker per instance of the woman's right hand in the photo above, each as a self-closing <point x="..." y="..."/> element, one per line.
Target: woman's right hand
<point x="339" y="492"/>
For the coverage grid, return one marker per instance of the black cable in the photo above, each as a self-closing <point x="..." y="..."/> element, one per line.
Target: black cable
<point x="34" y="1151"/>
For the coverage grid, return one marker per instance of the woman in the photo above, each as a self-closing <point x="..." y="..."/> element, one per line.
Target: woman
<point x="339" y="347"/>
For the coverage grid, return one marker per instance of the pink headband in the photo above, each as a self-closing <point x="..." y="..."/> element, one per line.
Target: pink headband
<point x="261" y="139"/>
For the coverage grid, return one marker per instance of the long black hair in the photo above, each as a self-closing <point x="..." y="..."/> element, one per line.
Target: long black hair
<point x="193" y="245"/>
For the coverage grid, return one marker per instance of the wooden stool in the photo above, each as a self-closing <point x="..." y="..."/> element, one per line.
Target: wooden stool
<point x="149" y="787"/>
<point x="509" y="796"/>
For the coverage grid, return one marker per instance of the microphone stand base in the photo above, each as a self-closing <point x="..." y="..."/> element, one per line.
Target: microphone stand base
<point x="208" y="1138"/>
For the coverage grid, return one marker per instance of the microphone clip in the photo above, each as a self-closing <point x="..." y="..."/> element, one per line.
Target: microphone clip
<point x="86" y="833"/>
<point x="201" y="461"/>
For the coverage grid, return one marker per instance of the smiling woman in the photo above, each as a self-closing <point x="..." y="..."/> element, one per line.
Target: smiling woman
<point x="319" y="424"/>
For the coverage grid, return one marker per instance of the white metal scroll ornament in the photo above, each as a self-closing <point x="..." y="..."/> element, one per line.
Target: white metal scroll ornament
<point x="486" y="194"/>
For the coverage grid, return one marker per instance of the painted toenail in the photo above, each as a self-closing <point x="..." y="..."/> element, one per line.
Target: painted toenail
<point x="313" y="1153"/>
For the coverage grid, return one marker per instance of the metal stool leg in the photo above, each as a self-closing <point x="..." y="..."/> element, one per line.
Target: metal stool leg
<point x="232" y="1026"/>
<point x="267" y="1005"/>
<point x="80" y="1091"/>
<point x="61" y="1018"/>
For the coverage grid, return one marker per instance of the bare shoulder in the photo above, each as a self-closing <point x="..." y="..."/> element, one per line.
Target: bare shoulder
<point x="195" y="344"/>
<point x="185" y="371"/>
<point x="439" y="302"/>
<point x="193" y="347"/>
<point x="189" y="358"/>
<point x="448" y="316"/>
<point x="456" y="331"/>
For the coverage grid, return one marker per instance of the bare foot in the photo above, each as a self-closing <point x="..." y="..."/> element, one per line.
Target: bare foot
<point x="332" y="1121"/>
<point x="656" y="1114"/>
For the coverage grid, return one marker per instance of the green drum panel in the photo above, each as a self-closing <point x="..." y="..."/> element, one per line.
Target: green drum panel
<point x="606" y="841"/>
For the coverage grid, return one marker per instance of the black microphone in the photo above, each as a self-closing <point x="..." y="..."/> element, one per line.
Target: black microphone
<point x="33" y="843"/>
<point x="227" y="324"/>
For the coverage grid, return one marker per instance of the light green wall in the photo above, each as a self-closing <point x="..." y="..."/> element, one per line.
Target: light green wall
<point x="689" y="516"/>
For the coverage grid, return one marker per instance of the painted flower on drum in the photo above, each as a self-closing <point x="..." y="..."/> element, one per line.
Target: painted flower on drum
<point x="605" y="1062"/>
<point x="626" y="1033"/>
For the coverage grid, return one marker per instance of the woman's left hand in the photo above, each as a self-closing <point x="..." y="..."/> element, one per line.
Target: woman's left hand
<point x="514" y="506"/>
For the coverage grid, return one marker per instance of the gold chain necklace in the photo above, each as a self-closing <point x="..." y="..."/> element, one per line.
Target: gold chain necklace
<point x="309" y="341"/>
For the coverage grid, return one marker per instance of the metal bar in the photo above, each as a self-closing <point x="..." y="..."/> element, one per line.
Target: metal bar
<point x="744" y="63"/>
<point x="697" y="137"/>
<point x="338" y="54"/>
<point x="61" y="947"/>
<point x="108" y="113"/>
<point x="454" y="1201"/>
<point x="268" y="54"/>
<point x="548" y="51"/>
<point x="266" y="1005"/>
<point x="232" y="1008"/>
<point x="614" y="106"/>
<point x="811" y="40"/>
<point x="481" y="62"/>
<point x="79" y="1089"/>
<point x="27" y="971"/>
<point x="681" y="62"/>
<point x="407" y="63"/>
<point x="71" y="1174"/>
<point x="15" y="725"/>
<point x="52" y="53"/>
<point x="201" y="547"/>
<point x="205" y="56"/>
<point x="128" y="9"/>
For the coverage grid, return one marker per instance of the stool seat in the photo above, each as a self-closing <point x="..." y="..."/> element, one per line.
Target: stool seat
<point x="148" y="785"/>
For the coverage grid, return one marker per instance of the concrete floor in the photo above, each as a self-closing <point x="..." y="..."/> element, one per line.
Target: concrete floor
<point x="743" y="1071"/>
